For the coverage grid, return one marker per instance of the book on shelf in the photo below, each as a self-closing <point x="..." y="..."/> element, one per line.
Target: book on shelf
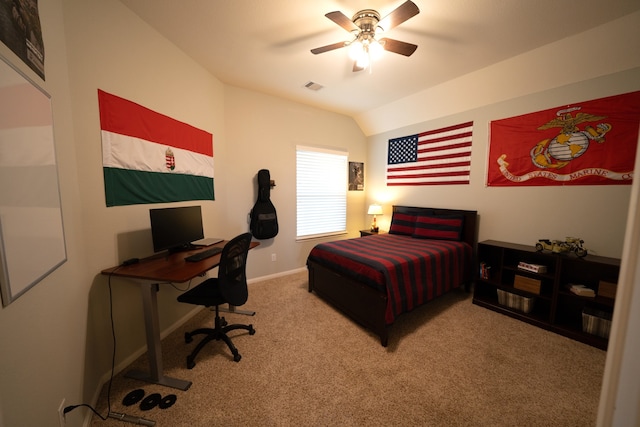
<point x="484" y="270"/>
<point x="581" y="290"/>
<point x="533" y="268"/>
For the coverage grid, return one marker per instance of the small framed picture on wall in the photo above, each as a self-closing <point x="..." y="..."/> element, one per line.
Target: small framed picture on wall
<point x="356" y="176"/>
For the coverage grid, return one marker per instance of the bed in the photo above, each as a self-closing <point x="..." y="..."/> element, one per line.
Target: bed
<point x="375" y="279"/>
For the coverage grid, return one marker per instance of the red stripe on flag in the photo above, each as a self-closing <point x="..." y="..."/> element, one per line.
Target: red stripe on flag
<point x="448" y="147"/>
<point x="448" y="156"/>
<point x="448" y="182"/>
<point x="447" y="129"/>
<point x="429" y="175"/>
<point x="436" y="174"/>
<point x="124" y="117"/>
<point x="444" y="138"/>
<point x="426" y="167"/>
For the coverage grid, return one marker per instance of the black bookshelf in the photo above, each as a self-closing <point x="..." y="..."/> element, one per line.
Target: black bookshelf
<point x="555" y="308"/>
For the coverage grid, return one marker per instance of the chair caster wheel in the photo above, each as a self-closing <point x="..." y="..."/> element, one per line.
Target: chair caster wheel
<point x="251" y="331"/>
<point x="187" y="337"/>
<point x="237" y="357"/>
<point x="190" y="362"/>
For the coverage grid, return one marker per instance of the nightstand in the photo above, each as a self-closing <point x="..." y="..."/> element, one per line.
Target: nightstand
<point x="370" y="233"/>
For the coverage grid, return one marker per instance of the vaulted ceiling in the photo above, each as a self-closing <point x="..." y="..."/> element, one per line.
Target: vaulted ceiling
<point x="265" y="45"/>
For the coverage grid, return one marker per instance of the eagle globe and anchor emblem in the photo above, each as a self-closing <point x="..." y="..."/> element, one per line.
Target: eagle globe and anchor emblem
<point x="571" y="142"/>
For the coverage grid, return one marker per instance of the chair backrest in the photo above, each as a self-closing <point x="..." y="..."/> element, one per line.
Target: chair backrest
<point x="232" y="271"/>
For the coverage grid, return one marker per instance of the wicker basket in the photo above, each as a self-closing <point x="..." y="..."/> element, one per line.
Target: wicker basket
<point x="516" y="302"/>
<point x="596" y="322"/>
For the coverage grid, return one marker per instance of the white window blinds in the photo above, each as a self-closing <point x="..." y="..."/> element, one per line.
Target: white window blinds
<point x="321" y="191"/>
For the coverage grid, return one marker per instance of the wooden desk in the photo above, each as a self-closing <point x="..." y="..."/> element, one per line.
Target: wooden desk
<point x="151" y="272"/>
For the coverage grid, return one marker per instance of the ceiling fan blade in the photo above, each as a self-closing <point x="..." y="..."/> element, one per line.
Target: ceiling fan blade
<point x="328" y="47"/>
<point x="396" y="46"/>
<point x="405" y="11"/>
<point x="342" y="20"/>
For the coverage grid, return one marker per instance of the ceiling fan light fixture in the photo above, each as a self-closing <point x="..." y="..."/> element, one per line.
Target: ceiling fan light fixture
<point x="365" y="26"/>
<point x="356" y="50"/>
<point x="375" y="49"/>
<point x="363" y="60"/>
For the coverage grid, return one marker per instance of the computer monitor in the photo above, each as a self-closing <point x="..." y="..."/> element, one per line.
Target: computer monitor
<point x="175" y="228"/>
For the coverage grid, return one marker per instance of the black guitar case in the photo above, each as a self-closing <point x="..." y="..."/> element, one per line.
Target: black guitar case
<point x="264" y="221"/>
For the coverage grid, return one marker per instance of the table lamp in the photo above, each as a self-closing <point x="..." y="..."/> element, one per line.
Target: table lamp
<point x="374" y="210"/>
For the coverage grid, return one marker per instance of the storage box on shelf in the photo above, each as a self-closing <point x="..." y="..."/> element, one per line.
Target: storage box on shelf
<point x="596" y="322"/>
<point x="532" y="268"/>
<point x="556" y="308"/>
<point x="527" y="284"/>
<point x="517" y="302"/>
<point x="607" y="289"/>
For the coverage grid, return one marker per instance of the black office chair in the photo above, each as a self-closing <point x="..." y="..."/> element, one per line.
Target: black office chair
<point x="230" y="287"/>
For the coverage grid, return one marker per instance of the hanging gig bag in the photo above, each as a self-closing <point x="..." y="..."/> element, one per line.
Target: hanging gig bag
<point x="264" y="221"/>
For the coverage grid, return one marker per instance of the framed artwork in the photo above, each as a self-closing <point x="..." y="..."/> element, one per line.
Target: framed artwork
<point x="356" y="176"/>
<point x="21" y="32"/>
<point x="32" y="241"/>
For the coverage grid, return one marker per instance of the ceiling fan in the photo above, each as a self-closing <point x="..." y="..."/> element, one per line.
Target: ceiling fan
<point x="364" y="26"/>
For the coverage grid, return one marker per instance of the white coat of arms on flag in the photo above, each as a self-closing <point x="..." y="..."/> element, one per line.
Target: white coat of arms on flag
<point x="170" y="159"/>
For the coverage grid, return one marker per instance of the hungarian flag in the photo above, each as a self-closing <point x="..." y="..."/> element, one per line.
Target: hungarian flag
<point x="440" y="156"/>
<point x="588" y="143"/>
<point x="148" y="157"/>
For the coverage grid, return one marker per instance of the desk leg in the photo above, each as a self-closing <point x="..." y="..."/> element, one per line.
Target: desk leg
<point x="154" y="349"/>
<point x="233" y="309"/>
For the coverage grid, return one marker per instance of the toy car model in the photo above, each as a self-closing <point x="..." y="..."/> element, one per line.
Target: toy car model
<point x="571" y="244"/>
<point x="575" y="245"/>
<point x="555" y="246"/>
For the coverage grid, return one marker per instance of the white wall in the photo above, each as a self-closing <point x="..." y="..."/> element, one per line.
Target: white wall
<point x="42" y="333"/>
<point x="263" y="132"/>
<point x="55" y="339"/>
<point x="110" y="48"/>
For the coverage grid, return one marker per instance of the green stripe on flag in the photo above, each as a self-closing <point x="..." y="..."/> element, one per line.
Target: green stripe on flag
<point x="130" y="187"/>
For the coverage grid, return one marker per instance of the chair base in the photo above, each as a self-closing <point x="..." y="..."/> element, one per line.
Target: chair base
<point x="218" y="333"/>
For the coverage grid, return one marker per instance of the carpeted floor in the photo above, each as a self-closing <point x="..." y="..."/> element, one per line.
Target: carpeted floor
<point x="449" y="363"/>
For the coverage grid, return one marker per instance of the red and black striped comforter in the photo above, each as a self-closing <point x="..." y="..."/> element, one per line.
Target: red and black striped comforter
<point x="412" y="271"/>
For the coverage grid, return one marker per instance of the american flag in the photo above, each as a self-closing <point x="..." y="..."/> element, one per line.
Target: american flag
<point x="441" y="156"/>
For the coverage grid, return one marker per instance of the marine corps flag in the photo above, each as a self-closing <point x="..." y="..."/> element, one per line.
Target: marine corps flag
<point x="588" y="143"/>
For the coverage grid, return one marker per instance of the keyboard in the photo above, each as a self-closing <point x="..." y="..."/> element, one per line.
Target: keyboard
<point x="204" y="254"/>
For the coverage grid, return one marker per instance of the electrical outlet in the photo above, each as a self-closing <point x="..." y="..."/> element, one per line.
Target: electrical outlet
<point x="61" y="417"/>
<point x="273" y="257"/>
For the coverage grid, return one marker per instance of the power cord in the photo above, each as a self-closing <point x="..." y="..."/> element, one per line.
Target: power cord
<point x="178" y="288"/>
<point x="113" y="359"/>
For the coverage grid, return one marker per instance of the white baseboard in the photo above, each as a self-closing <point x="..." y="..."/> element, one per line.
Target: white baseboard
<point x="273" y="276"/>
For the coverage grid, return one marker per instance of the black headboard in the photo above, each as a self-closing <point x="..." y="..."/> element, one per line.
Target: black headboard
<point x="470" y="226"/>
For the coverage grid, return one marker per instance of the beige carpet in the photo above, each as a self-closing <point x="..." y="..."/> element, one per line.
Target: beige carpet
<point x="449" y="363"/>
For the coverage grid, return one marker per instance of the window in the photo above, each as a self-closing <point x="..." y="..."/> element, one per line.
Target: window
<point x="321" y="192"/>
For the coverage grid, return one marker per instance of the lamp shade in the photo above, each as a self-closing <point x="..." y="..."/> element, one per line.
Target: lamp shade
<point x="375" y="210"/>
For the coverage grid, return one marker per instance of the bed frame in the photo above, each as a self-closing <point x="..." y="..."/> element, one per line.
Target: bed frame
<point x="366" y="305"/>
